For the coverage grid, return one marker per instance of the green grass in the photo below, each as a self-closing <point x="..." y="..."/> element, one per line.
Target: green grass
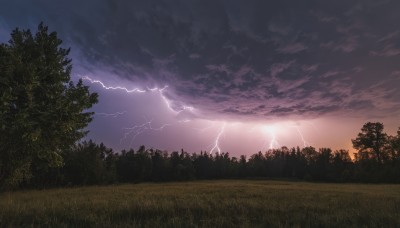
<point x="229" y="203"/>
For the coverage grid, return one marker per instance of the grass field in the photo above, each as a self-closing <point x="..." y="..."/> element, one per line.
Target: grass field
<point x="228" y="203"/>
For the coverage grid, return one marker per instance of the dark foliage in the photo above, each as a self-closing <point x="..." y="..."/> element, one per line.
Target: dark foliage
<point x="88" y="163"/>
<point x="41" y="109"/>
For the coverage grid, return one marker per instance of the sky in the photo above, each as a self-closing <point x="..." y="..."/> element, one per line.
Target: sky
<point x="228" y="75"/>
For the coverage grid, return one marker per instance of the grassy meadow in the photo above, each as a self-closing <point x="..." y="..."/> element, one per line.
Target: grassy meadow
<point x="228" y="203"/>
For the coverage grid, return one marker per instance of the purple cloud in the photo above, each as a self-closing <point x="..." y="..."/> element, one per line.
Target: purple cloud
<point x="292" y="48"/>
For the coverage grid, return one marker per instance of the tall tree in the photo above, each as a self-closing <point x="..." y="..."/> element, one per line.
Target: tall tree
<point x="41" y="109"/>
<point x="371" y="142"/>
<point x="395" y="146"/>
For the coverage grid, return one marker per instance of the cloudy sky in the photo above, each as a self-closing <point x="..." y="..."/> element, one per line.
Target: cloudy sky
<point x="229" y="75"/>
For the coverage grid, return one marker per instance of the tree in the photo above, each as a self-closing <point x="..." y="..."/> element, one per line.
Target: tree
<point x="89" y="163"/>
<point x="134" y="166"/>
<point x="342" y="165"/>
<point x="322" y="165"/>
<point x="395" y="146"/>
<point x="41" y="109"/>
<point x="371" y="142"/>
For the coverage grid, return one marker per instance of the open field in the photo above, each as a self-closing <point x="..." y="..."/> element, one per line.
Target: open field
<point x="228" y="203"/>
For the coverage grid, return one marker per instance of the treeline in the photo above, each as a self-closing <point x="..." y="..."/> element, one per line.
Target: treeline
<point x="89" y="163"/>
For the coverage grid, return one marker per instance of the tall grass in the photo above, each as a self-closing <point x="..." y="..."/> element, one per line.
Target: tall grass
<point x="205" y="204"/>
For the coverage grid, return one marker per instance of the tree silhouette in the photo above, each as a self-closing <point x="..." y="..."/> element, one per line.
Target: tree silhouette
<point x="41" y="109"/>
<point x="395" y="146"/>
<point x="342" y="166"/>
<point x="88" y="163"/>
<point x="371" y="142"/>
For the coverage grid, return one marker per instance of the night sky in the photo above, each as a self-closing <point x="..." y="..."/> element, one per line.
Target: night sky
<point x="235" y="76"/>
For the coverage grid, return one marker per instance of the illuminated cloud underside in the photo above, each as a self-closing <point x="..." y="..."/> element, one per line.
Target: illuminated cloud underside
<point x="268" y="131"/>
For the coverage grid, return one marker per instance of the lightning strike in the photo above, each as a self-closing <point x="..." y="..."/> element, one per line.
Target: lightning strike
<point x="114" y="115"/>
<point x="167" y="102"/>
<point x="216" y="145"/>
<point x="137" y="90"/>
<point x="305" y="144"/>
<point x="273" y="142"/>
<point x="136" y="130"/>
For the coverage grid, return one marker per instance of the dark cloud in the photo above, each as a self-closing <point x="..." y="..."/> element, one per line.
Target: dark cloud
<point x="292" y="48"/>
<point x="259" y="59"/>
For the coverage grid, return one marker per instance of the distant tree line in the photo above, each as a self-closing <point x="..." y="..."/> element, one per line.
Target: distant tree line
<point x="88" y="163"/>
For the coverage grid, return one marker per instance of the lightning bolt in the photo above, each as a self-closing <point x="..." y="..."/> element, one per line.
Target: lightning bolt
<point x="274" y="143"/>
<point x="216" y="143"/>
<point x="93" y="81"/>
<point x="139" y="129"/>
<point x="136" y="130"/>
<point x="305" y="144"/>
<point x="271" y="141"/>
<point x="167" y="102"/>
<point x="177" y="107"/>
<point x="114" y="115"/>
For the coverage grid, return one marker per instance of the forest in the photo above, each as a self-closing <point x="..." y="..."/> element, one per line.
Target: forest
<point x="88" y="163"/>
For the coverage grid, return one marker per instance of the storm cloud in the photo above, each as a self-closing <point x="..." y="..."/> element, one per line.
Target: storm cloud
<point x="257" y="60"/>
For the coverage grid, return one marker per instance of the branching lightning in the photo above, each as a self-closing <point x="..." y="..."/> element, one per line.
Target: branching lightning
<point x="168" y="102"/>
<point x="305" y="143"/>
<point x="216" y="143"/>
<point x="176" y="107"/>
<point x="114" y="115"/>
<point x="137" y="90"/>
<point x="136" y="130"/>
<point x="139" y="129"/>
<point x="273" y="142"/>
